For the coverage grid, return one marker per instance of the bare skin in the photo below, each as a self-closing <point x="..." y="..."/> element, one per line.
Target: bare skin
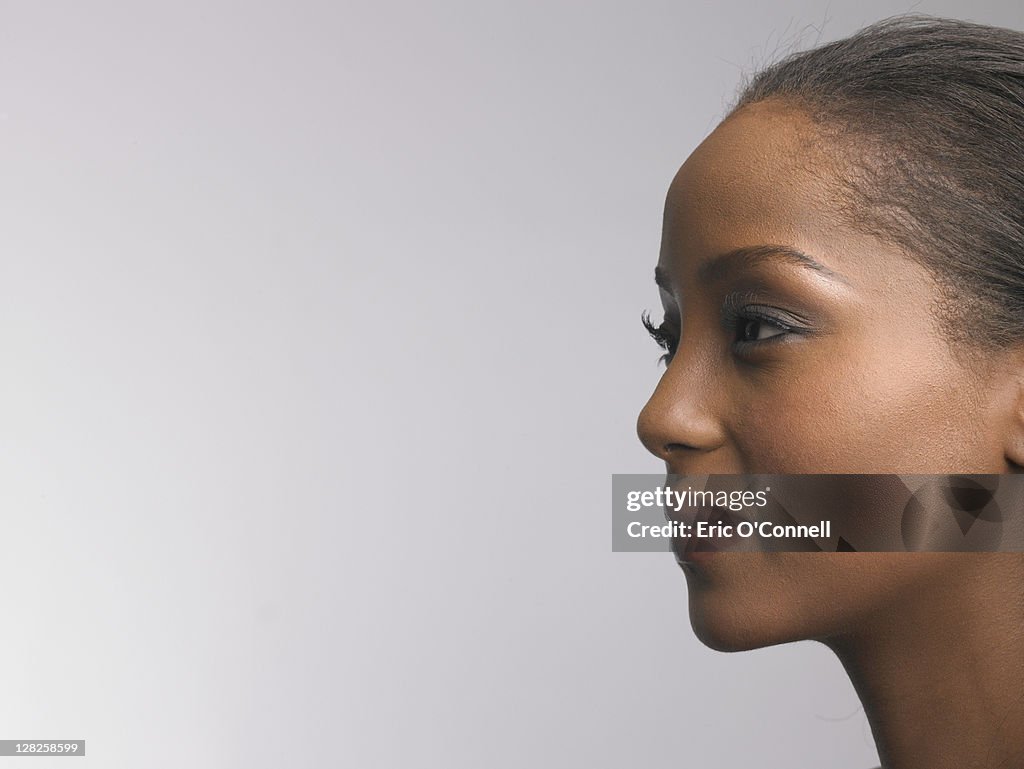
<point x="837" y="364"/>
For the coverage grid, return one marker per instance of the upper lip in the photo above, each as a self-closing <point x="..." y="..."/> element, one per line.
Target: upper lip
<point x="693" y="515"/>
<point x="695" y="544"/>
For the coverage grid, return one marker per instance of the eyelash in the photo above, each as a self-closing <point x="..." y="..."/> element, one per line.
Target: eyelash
<point x="735" y="319"/>
<point x="661" y="336"/>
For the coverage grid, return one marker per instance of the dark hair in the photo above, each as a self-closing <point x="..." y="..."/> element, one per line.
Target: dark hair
<point x="929" y="114"/>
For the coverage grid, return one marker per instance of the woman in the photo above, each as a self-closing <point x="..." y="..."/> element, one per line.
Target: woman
<point x="842" y="275"/>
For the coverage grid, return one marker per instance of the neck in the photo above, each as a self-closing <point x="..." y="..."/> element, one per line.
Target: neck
<point x="941" y="677"/>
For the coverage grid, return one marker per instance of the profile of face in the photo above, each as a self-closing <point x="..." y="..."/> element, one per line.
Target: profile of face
<point x="798" y="343"/>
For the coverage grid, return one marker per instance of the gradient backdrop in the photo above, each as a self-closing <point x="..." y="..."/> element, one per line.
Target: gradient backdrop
<point x="320" y="342"/>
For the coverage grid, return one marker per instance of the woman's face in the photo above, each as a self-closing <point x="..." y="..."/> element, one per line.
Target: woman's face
<point x="799" y="344"/>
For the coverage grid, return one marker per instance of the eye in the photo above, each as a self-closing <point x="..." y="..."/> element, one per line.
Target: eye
<point x="754" y="329"/>
<point x="756" y="326"/>
<point x="753" y="325"/>
<point x="663" y="335"/>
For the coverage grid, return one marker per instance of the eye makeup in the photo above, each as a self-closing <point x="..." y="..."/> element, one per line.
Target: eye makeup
<point x="752" y="321"/>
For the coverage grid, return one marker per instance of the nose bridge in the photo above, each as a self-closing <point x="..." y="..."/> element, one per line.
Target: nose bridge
<point x="684" y="412"/>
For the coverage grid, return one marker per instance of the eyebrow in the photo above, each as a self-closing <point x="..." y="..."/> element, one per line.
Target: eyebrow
<point x="750" y="256"/>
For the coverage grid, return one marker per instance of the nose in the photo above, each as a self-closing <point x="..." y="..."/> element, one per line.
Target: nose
<point x="681" y="423"/>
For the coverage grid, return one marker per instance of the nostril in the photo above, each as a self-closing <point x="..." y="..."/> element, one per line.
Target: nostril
<point x="671" y="447"/>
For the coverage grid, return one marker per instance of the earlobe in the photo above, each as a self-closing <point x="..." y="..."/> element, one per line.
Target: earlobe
<point x="1015" y="455"/>
<point x="1015" y="433"/>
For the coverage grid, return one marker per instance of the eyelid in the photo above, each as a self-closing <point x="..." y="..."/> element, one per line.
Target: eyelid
<point x="748" y="304"/>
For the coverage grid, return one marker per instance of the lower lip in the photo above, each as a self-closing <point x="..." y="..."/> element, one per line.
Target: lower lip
<point x="697" y="553"/>
<point x="694" y="565"/>
<point x="689" y="557"/>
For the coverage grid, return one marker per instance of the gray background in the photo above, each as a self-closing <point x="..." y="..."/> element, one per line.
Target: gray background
<point x="320" y="342"/>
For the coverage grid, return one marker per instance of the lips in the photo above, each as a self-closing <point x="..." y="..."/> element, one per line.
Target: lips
<point x="693" y="549"/>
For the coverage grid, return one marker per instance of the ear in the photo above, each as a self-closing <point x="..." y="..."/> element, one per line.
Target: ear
<point x="1014" y="440"/>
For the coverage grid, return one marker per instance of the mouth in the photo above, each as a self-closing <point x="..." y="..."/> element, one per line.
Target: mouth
<point x="711" y="530"/>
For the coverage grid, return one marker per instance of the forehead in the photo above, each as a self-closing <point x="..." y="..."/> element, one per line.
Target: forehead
<point x="765" y="175"/>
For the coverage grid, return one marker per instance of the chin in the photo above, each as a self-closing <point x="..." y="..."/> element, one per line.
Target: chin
<point x="731" y="629"/>
<point x="733" y="618"/>
<point x="743" y="601"/>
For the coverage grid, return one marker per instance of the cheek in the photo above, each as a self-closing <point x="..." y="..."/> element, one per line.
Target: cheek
<point x="848" y="413"/>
